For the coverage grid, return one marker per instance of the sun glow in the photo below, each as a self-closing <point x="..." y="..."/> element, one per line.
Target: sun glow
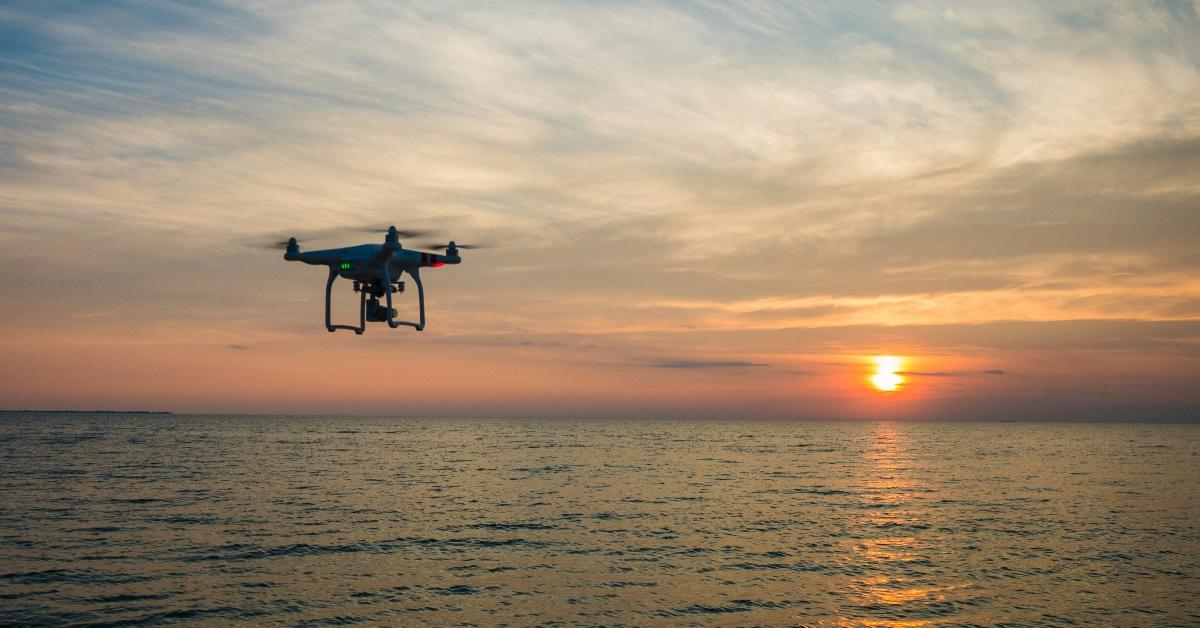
<point x="886" y="377"/>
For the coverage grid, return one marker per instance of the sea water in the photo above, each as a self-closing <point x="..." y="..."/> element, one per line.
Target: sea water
<point x="109" y="518"/>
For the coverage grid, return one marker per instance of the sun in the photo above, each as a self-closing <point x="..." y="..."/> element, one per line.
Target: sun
<point x="887" y="377"/>
<point x="887" y="382"/>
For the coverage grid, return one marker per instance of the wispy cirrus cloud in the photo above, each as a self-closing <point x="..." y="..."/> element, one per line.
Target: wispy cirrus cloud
<point x="706" y="364"/>
<point x="992" y="372"/>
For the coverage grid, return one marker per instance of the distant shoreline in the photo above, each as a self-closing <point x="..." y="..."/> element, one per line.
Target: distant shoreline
<point x="1006" y="421"/>
<point x="87" y="411"/>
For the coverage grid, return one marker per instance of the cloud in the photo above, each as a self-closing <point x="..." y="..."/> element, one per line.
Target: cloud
<point x="951" y="373"/>
<point x="705" y="364"/>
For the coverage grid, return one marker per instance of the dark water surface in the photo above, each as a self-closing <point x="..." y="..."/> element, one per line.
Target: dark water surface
<point x="300" y="520"/>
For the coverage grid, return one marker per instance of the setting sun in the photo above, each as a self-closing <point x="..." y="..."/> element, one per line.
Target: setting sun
<point x="886" y="377"/>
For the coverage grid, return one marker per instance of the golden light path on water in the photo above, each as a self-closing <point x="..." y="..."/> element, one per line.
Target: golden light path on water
<point x="886" y="495"/>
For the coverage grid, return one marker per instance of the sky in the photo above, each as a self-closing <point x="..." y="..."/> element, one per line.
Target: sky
<point x="698" y="210"/>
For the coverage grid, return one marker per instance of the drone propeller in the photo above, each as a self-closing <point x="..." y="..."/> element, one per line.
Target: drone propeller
<point x="403" y="233"/>
<point x="443" y="247"/>
<point x="273" y="245"/>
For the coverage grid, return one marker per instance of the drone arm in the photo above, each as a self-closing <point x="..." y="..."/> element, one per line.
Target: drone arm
<point x="314" y="258"/>
<point x="362" y="307"/>
<point x="416" y="275"/>
<point x="385" y="255"/>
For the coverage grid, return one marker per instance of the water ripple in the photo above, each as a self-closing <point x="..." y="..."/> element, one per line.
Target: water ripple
<point x="328" y="521"/>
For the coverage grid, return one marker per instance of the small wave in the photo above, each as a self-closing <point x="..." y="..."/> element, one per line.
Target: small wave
<point x="804" y="490"/>
<point x="768" y="603"/>
<point x="625" y="584"/>
<point x="559" y="468"/>
<point x="759" y="566"/>
<point x="242" y="551"/>
<point x="481" y="543"/>
<point x="126" y="597"/>
<point x="455" y="589"/>
<point x="702" y="609"/>
<point x="504" y="526"/>
<point x="252" y="585"/>
<point x="339" y="620"/>
<point x="77" y="576"/>
<point x="190" y="520"/>
<point x="57" y="472"/>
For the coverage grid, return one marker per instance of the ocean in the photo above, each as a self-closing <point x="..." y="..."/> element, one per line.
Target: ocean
<point x="112" y="519"/>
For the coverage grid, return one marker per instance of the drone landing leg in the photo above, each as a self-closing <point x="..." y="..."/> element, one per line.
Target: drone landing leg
<point x="362" y="307"/>
<point x="362" y="312"/>
<point x="416" y="275"/>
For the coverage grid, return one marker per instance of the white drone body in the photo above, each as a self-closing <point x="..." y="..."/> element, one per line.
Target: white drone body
<point x="375" y="270"/>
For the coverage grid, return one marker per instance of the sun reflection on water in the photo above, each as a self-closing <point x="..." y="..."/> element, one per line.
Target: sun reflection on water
<point x="891" y="548"/>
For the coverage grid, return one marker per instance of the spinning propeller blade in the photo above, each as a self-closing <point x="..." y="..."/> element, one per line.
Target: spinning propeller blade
<point x="403" y="233"/>
<point x="274" y="245"/>
<point x="273" y="242"/>
<point x="443" y="247"/>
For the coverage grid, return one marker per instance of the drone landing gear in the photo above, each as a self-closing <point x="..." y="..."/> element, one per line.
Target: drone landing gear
<point x="362" y="307"/>
<point x="370" y="310"/>
<point x="391" y="313"/>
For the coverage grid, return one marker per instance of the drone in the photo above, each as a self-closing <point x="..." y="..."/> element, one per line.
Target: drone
<point x="375" y="270"/>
